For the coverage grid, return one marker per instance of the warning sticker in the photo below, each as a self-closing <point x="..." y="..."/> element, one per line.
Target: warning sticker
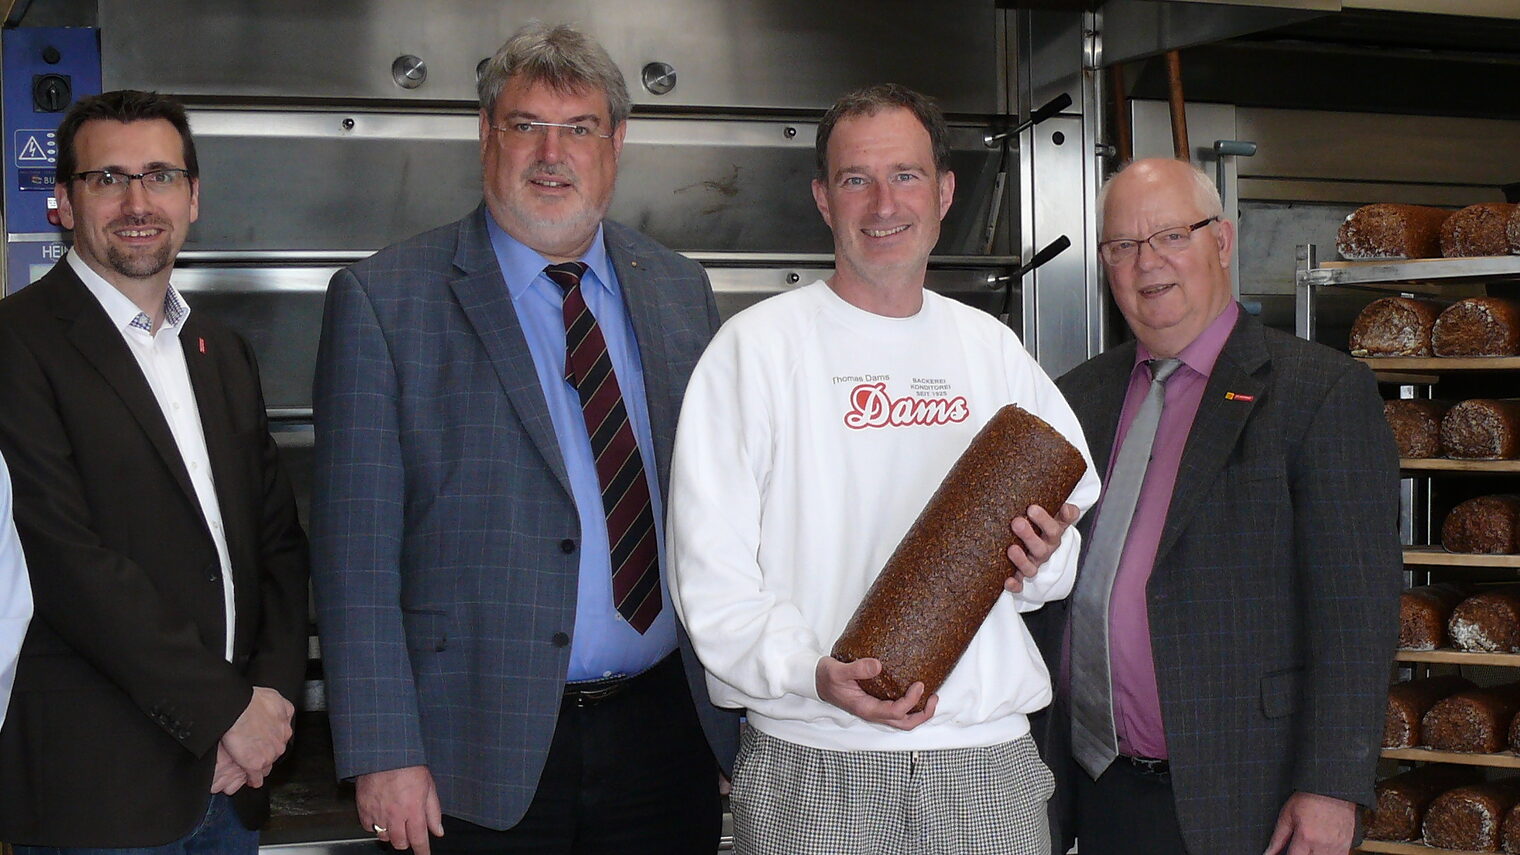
<point x="36" y="147"/>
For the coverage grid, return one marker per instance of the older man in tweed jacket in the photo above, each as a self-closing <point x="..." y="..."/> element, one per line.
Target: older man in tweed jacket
<point x="1251" y="606"/>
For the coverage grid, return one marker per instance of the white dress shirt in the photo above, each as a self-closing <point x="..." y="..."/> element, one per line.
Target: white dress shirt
<point x="162" y="361"/>
<point x="15" y="594"/>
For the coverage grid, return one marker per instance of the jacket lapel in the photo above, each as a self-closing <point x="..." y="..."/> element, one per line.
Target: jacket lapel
<point x="1217" y="426"/>
<point x="216" y="428"/>
<point x="91" y="332"/>
<point x="637" y="280"/>
<point x="483" y="295"/>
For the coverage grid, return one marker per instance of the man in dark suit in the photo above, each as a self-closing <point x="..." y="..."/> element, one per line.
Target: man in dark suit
<point x="1235" y="612"/>
<point x="495" y="406"/>
<point x="169" y="573"/>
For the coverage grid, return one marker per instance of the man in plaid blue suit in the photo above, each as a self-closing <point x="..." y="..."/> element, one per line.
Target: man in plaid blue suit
<point x="485" y="688"/>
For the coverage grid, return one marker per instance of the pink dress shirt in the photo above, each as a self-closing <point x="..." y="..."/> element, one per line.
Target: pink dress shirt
<point x="1137" y="706"/>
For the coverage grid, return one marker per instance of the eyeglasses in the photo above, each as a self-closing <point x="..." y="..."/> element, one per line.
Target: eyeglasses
<point x="530" y="133"/>
<point x="1165" y="242"/>
<point x="107" y="182"/>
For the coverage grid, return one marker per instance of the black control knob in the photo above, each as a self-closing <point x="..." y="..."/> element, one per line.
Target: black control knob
<point x="51" y="93"/>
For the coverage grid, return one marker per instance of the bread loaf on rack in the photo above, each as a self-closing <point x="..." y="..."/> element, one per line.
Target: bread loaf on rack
<point x="1403" y="799"/>
<point x="1416" y="426"/>
<point x="1424" y="612"/>
<point x="1395" y="326"/>
<point x="1509" y="832"/>
<point x="1409" y="701"/>
<point x="1478" y="326"/>
<point x="948" y="571"/>
<point x="1485" y="525"/>
<point x="1487" y="622"/>
<point x="1470" y="817"/>
<point x="1482" y="429"/>
<point x="1477" y="230"/>
<point x="1388" y="230"/>
<point x="1512" y="231"/>
<point x="1474" y="720"/>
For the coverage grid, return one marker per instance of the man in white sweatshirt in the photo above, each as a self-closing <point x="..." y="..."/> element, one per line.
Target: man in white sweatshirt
<point x="815" y="428"/>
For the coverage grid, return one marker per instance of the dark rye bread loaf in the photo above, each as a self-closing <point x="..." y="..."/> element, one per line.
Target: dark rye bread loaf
<point x="1389" y="230"/>
<point x="1470" y="817"/>
<point x="1395" y="326"/>
<point x="1403" y="799"/>
<point x="1478" y="326"/>
<point x="1512" y="231"/>
<point x="1477" y="230"/>
<point x="1424" y="612"/>
<point x="1487" y="622"/>
<point x="1514" y="734"/>
<point x="1487" y="525"/>
<point x="1482" y="429"/>
<point x="1416" y="426"/>
<point x="948" y="571"/>
<point x="1475" y="720"/>
<point x="1408" y="702"/>
<point x="1509" y="832"/>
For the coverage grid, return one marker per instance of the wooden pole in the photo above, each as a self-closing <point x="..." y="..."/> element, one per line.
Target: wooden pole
<point x="1123" y="143"/>
<point x="1179" y="111"/>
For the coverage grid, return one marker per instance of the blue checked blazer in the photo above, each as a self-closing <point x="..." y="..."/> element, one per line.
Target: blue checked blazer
<point x="1274" y="599"/>
<point x="441" y="508"/>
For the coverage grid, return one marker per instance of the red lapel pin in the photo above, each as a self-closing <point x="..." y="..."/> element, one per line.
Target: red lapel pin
<point x="202" y="343"/>
<point x="1228" y="396"/>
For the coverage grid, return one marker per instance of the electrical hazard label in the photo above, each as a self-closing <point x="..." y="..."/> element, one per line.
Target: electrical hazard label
<point x="34" y="148"/>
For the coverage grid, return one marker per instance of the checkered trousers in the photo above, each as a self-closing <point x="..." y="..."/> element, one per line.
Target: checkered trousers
<point x="789" y="799"/>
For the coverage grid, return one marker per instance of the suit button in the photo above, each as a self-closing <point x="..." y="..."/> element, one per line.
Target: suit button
<point x="567" y="546"/>
<point x="560" y="639"/>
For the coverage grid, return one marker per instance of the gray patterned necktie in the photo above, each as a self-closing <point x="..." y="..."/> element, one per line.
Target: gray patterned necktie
<point x="1094" y="742"/>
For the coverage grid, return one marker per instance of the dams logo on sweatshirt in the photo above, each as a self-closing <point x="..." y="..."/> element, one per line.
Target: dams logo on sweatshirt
<point x="872" y="407"/>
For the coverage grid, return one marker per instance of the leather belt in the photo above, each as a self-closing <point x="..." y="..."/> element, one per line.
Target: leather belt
<point x="589" y="693"/>
<point x="1148" y="765"/>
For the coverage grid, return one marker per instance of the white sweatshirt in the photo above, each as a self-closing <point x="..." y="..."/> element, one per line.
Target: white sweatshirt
<point x="811" y="436"/>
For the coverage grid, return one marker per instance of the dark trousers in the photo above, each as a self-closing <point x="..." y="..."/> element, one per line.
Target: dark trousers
<point x="630" y="774"/>
<point x="1126" y="811"/>
<point x="219" y="832"/>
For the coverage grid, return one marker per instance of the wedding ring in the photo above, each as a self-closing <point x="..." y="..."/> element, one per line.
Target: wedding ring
<point x="379" y="829"/>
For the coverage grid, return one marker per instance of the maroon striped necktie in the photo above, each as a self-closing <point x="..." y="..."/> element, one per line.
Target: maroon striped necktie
<point x="619" y="466"/>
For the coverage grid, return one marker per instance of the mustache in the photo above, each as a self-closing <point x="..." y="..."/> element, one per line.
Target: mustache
<point x="540" y="169"/>
<point x="137" y="222"/>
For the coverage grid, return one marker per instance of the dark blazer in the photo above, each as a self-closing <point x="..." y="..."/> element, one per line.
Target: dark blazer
<point x="442" y="511"/>
<point x="1274" y="598"/>
<point x="123" y="689"/>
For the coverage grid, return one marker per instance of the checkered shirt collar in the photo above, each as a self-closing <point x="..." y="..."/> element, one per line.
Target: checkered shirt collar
<point x="123" y="313"/>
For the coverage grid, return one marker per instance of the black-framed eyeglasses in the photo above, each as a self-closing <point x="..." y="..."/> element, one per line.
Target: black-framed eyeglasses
<point x="108" y="182"/>
<point x="1165" y="242"/>
<point x="526" y="133"/>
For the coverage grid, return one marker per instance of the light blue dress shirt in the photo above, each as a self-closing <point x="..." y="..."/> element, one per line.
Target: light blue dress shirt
<point x="15" y="594"/>
<point x="603" y="643"/>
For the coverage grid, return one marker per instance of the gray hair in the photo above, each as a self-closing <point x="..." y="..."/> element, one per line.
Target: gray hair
<point x="562" y="57"/>
<point x="1204" y="193"/>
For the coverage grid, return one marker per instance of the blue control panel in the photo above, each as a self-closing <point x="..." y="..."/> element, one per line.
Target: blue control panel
<point x="46" y="69"/>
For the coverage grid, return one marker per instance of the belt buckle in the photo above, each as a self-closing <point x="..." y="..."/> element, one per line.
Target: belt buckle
<point x="1150" y="765"/>
<point x="595" y="691"/>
